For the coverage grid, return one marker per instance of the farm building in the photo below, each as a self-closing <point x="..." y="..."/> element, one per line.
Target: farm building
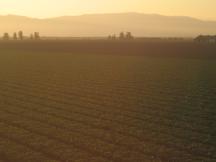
<point x="205" y="39"/>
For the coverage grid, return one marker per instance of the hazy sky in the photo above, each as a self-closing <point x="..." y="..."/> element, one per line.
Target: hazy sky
<point x="204" y="9"/>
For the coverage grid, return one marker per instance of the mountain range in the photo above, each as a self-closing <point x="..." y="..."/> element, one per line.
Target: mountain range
<point x="99" y="25"/>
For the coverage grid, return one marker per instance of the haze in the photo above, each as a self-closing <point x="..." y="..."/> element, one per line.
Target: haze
<point x="82" y="18"/>
<point x="203" y="9"/>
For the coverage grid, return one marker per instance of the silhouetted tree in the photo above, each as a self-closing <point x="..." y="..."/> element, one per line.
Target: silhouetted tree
<point x="31" y="36"/>
<point x="15" y="36"/>
<point x="113" y="37"/>
<point x="109" y="37"/>
<point x="36" y="35"/>
<point x="20" y="34"/>
<point x="121" y="36"/>
<point x="6" y="36"/>
<point x="129" y="36"/>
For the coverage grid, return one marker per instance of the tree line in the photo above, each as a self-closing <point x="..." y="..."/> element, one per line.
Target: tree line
<point x="122" y="36"/>
<point x="20" y="36"/>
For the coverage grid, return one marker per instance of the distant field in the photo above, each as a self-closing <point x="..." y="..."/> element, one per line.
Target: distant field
<point x="102" y="101"/>
<point x="156" y="48"/>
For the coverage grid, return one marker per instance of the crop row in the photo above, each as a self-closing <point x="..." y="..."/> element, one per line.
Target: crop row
<point x="112" y="108"/>
<point x="126" y="128"/>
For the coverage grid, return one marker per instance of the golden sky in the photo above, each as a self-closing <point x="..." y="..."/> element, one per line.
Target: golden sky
<point x="204" y="9"/>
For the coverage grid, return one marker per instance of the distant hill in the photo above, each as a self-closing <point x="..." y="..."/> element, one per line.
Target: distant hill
<point x="149" y="25"/>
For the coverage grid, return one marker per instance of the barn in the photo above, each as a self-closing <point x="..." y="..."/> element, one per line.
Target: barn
<point x="205" y="39"/>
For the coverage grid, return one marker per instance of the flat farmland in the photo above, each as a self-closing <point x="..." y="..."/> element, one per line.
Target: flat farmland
<point x="101" y="101"/>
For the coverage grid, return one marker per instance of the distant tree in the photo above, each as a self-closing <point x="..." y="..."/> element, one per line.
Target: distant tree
<point x="15" y="36"/>
<point x="36" y="35"/>
<point x="20" y="34"/>
<point x="113" y="37"/>
<point x="6" y="36"/>
<point x="31" y="36"/>
<point x="121" y="36"/>
<point x="109" y="37"/>
<point x="129" y="36"/>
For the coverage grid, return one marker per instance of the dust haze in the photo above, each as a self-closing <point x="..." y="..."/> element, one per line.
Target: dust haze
<point x="100" y="25"/>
